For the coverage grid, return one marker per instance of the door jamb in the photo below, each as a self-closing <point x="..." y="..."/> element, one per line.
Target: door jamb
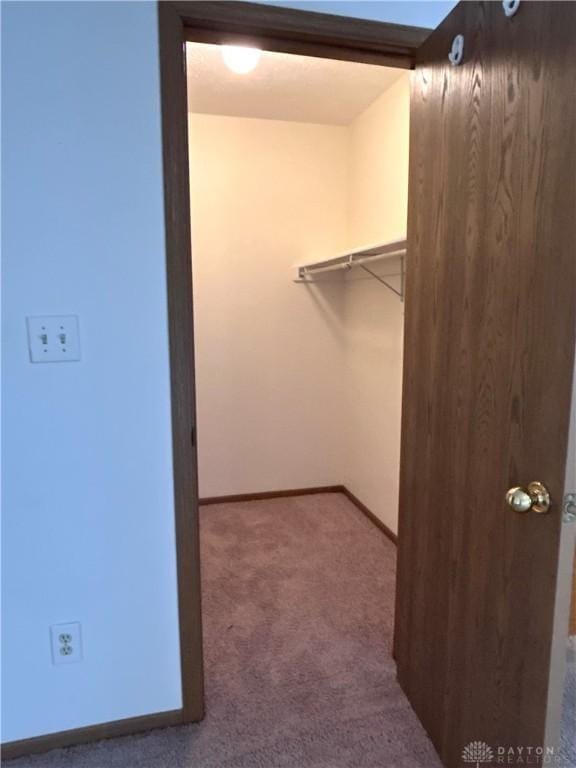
<point x="274" y="29"/>
<point x="307" y="33"/>
<point x="277" y="29"/>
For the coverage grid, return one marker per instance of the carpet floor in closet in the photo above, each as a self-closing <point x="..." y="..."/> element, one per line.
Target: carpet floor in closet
<point x="298" y="600"/>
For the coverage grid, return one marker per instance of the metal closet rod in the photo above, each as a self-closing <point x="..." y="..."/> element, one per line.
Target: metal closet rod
<point x="359" y="279"/>
<point x="359" y="258"/>
<point x="312" y="269"/>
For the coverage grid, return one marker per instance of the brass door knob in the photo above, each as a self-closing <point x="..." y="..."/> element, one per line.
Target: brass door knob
<point x="535" y="497"/>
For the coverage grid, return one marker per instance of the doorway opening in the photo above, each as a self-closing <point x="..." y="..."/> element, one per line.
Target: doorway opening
<point x="298" y="373"/>
<point x="298" y="161"/>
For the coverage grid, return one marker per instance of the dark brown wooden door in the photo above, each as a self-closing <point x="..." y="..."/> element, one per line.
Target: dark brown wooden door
<point x="489" y="356"/>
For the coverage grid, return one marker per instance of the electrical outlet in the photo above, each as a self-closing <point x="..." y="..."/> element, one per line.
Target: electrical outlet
<point x="53" y="339"/>
<point x="66" y="640"/>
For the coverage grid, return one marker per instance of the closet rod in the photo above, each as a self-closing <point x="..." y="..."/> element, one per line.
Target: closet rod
<point x="394" y="249"/>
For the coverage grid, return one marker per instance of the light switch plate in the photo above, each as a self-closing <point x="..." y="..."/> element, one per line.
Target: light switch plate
<point x="53" y="339"/>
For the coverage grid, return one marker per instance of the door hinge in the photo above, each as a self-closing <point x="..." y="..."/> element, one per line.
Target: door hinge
<point x="457" y="51"/>
<point x="569" y="508"/>
<point x="510" y="7"/>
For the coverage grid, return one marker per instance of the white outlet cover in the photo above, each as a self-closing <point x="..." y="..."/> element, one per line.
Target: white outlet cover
<point x="66" y="642"/>
<point x="53" y="339"/>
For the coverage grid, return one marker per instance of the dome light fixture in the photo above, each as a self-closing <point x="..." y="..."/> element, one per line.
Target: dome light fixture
<point x="240" y="59"/>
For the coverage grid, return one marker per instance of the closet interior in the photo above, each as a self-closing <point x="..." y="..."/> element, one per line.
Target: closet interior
<point x="299" y="190"/>
<point x="299" y="182"/>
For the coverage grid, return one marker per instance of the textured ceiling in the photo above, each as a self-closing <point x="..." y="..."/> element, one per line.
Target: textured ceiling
<point x="284" y="87"/>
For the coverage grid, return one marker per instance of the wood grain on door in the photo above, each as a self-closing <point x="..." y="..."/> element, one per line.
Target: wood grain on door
<point x="489" y="343"/>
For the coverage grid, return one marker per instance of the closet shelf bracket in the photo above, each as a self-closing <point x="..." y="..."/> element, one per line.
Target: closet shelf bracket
<point x="378" y="277"/>
<point x="395" y="249"/>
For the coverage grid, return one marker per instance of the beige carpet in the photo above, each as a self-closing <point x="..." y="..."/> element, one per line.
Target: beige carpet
<point x="298" y="603"/>
<point x="567" y="756"/>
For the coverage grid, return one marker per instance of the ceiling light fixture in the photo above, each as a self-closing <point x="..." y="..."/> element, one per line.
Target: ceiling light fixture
<point x="240" y="59"/>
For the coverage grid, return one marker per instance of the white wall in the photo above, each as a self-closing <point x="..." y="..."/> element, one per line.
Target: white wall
<point x="378" y="199"/>
<point x="298" y="386"/>
<point x="266" y="195"/>
<point x="88" y="532"/>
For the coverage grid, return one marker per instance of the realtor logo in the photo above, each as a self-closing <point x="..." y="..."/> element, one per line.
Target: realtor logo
<point x="477" y="752"/>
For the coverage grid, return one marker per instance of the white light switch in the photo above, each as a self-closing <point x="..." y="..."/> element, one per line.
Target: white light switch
<point x="53" y="339"/>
